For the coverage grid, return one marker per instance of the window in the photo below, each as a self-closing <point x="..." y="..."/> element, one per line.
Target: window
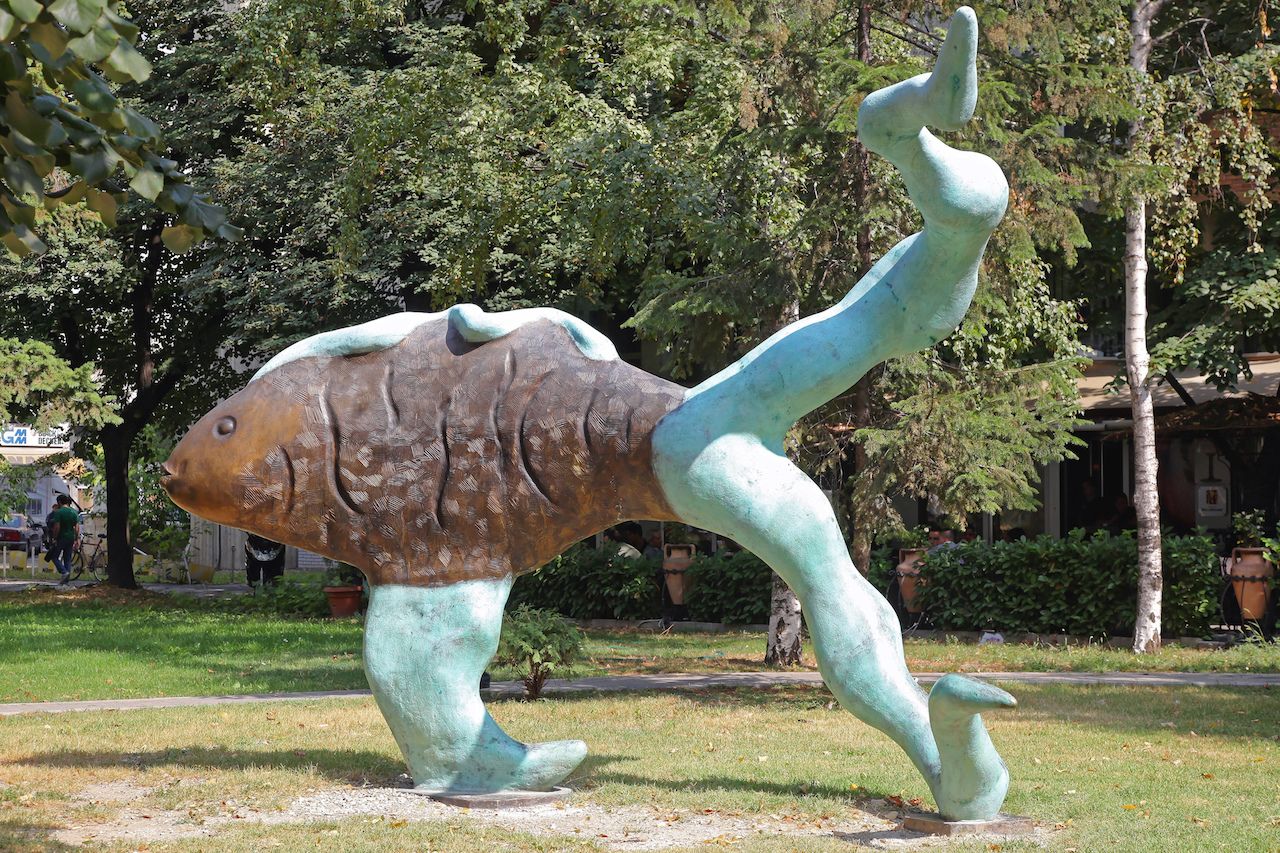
<point x="35" y="507"/>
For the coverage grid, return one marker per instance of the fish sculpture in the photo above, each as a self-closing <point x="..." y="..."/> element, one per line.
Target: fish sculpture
<point x="446" y="454"/>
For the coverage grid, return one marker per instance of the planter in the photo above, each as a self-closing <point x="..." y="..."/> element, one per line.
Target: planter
<point x="1250" y="580"/>
<point x="675" y="562"/>
<point x="200" y="573"/>
<point x="909" y="577"/>
<point x="344" y="601"/>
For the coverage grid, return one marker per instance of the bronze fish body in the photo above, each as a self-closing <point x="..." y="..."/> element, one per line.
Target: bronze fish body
<point x="433" y="460"/>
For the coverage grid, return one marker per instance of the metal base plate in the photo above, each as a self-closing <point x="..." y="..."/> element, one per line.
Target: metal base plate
<point x="498" y="800"/>
<point x="1001" y="824"/>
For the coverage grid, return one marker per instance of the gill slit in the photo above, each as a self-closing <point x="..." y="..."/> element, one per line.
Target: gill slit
<point x="335" y="437"/>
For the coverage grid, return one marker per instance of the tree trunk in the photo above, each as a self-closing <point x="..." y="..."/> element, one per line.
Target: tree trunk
<point x="861" y="533"/>
<point x="1146" y="630"/>
<point x="115" y="454"/>
<point x="784" y="626"/>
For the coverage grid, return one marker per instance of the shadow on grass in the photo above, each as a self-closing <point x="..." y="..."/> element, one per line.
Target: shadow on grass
<point x="361" y="768"/>
<point x="28" y="836"/>
<point x="867" y="799"/>
<point x="1222" y="712"/>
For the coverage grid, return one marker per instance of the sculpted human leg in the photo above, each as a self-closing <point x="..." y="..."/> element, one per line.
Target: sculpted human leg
<point x="424" y="651"/>
<point x="741" y="488"/>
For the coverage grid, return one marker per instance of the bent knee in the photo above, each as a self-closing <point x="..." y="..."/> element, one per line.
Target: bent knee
<point x="972" y="197"/>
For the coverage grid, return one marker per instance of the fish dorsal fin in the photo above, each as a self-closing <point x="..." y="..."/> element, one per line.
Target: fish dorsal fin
<point x="478" y="326"/>
<point x="471" y="321"/>
<point x="380" y="334"/>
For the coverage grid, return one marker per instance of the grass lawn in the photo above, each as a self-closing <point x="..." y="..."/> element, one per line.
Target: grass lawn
<point x="102" y="643"/>
<point x="1106" y="768"/>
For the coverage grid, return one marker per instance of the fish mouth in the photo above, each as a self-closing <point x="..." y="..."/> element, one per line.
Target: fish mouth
<point x="169" y="475"/>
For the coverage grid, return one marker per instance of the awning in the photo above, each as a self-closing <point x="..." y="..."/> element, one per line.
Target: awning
<point x="1252" y="411"/>
<point x="1095" y="396"/>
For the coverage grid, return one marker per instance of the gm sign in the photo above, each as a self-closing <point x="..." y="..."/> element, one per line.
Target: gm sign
<point x="17" y="437"/>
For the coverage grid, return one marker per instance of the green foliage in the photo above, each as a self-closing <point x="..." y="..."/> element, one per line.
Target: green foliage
<point x="292" y="596"/>
<point x="539" y="642"/>
<point x="62" y="121"/>
<point x="1250" y="528"/>
<point x="156" y="525"/>
<point x="586" y="583"/>
<point x="734" y="589"/>
<point x="343" y="574"/>
<point x="1228" y="304"/>
<point x="41" y="389"/>
<point x="1076" y="585"/>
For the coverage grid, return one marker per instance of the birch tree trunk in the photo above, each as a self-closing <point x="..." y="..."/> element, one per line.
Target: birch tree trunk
<point x="1146" y="631"/>
<point x="784" y="626"/>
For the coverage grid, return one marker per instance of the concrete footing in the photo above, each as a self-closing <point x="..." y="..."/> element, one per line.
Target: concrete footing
<point x="499" y="800"/>
<point x="935" y="824"/>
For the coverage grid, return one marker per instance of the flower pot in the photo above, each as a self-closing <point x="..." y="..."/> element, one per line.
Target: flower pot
<point x="909" y="577"/>
<point x="1250" y="580"/>
<point x="200" y="573"/>
<point x="344" y="601"/>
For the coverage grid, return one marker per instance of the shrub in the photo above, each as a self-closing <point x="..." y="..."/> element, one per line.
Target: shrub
<point x="735" y="589"/>
<point x="292" y="595"/>
<point x="584" y="583"/>
<point x="1076" y="585"/>
<point x="538" y="641"/>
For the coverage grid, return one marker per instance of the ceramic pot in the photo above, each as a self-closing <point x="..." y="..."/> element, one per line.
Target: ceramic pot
<point x="909" y="577"/>
<point x="344" y="601"/>
<point x="1251" y="580"/>
<point x="675" y="563"/>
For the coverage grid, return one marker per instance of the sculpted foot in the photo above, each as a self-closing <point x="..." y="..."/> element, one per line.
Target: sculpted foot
<point x="424" y="651"/>
<point x="952" y="88"/>
<point x="973" y="779"/>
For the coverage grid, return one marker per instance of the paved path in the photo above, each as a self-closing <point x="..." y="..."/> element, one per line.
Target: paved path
<point x="197" y="590"/>
<point x="618" y="683"/>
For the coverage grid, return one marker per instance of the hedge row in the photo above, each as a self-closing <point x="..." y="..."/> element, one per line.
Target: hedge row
<point x="584" y="583"/>
<point x="1077" y="585"/>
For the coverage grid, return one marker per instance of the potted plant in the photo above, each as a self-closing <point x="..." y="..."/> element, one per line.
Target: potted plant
<point x="912" y="546"/>
<point x="343" y="586"/>
<point x="1251" y="570"/>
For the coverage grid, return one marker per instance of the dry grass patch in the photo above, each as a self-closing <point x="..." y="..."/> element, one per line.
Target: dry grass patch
<point x="1125" y="769"/>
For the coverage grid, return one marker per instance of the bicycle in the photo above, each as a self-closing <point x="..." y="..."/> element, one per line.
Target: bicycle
<point x="94" y="562"/>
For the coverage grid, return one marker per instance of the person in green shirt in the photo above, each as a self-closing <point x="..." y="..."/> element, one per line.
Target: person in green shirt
<point x="66" y="530"/>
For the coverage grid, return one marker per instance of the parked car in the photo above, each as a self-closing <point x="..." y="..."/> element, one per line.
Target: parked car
<point x="18" y="533"/>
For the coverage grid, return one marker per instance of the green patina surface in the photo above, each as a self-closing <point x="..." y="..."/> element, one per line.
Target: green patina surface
<point x="720" y="459"/>
<point x="424" y="651"/>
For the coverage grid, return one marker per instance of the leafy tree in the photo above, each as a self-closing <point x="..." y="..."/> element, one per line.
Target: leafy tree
<point x="62" y="122"/>
<point x="42" y="390"/>
<point x="1180" y="144"/>
<point x="110" y="294"/>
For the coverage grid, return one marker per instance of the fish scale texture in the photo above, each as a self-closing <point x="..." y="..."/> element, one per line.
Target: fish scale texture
<point x="437" y="460"/>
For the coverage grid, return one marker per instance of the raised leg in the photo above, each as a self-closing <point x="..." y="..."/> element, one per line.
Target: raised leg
<point x="919" y="291"/>
<point x="424" y="651"/>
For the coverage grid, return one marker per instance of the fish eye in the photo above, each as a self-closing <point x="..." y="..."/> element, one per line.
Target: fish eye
<point x="224" y="427"/>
